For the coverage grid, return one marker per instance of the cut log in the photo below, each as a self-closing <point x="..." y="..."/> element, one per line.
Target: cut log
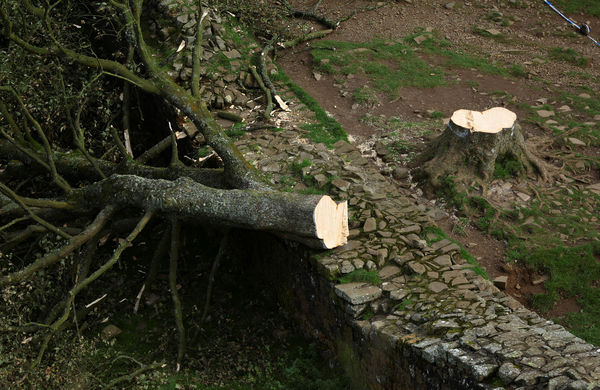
<point x="470" y="147"/>
<point x="314" y="220"/>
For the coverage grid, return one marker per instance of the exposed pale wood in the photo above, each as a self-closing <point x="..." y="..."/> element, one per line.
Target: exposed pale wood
<point x="493" y="120"/>
<point x="331" y="221"/>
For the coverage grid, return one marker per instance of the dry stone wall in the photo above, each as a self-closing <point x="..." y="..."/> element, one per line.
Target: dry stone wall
<point x="430" y="322"/>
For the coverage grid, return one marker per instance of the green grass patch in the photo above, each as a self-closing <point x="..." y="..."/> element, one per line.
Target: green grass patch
<point x="326" y="130"/>
<point x="448" y="190"/>
<point x="456" y="58"/>
<point x="516" y="71"/>
<point x="499" y="18"/>
<point x="402" y="305"/>
<point x="588" y="7"/>
<point x="567" y="55"/>
<point x="361" y="275"/>
<point x="437" y="115"/>
<point x="574" y="272"/>
<point x="583" y="76"/>
<point x="507" y="166"/>
<point x="365" y="95"/>
<point x="297" y="166"/>
<point x="436" y="234"/>
<point x="388" y="64"/>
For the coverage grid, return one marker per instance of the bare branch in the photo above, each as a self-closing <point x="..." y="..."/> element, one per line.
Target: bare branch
<point x="84" y="283"/>
<point x="197" y="53"/>
<point x="174" y="258"/>
<point x="80" y="168"/>
<point x="62" y="183"/>
<point x="74" y="243"/>
<point x="213" y="272"/>
<point x="11" y="194"/>
<point x="269" y="108"/>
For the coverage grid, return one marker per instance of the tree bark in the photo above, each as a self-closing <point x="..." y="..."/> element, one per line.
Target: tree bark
<point x="470" y="146"/>
<point x="314" y="220"/>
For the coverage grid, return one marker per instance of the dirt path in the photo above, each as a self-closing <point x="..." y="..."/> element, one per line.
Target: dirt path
<point x="503" y="33"/>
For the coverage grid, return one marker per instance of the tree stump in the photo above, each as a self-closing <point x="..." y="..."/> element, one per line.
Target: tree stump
<point x="471" y="145"/>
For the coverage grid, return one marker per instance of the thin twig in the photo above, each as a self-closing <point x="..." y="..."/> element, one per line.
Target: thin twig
<point x="154" y="151"/>
<point x="159" y="254"/>
<point x="120" y="144"/>
<point x="62" y="183"/>
<point x="213" y="273"/>
<point x="76" y="242"/>
<point x="197" y="52"/>
<point x="8" y="192"/>
<point x="174" y="154"/>
<point x="128" y="377"/>
<point x="84" y="283"/>
<point x="126" y="121"/>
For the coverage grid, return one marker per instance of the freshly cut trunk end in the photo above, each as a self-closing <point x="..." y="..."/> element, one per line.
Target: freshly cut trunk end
<point x="331" y="222"/>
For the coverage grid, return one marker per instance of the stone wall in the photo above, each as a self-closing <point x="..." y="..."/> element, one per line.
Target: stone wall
<point x="431" y="322"/>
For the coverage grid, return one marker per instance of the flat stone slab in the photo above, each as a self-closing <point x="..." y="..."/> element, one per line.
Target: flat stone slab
<point x="576" y="141"/>
<point x="343" y="147"/>
<point x="416" y="267"/>
<point x="370" y="225"/>
<point x="389" y="271"/>
<point x="443" y="261"/>
<point x="545" y="113"/>
<point x="357" y="293"/>
<point x="437" y="287"/>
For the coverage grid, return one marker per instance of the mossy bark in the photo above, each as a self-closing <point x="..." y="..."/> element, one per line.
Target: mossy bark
<point x="299" y="217"/>
<point x="471" y="156"/>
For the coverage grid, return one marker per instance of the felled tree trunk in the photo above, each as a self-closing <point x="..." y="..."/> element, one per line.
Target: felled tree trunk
<point x="314" y="220"/>
<point x="470" y="146"/>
